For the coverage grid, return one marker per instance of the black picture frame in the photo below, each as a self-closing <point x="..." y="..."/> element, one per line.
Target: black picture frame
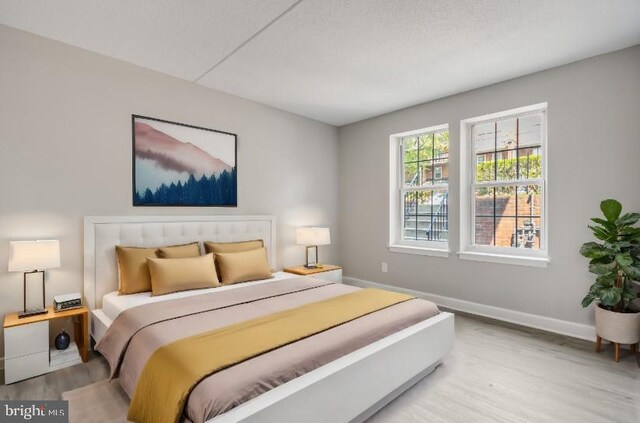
<point x="160" y="164"/>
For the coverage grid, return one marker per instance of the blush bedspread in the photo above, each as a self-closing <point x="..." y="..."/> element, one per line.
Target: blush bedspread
<point x="138" y="332"/>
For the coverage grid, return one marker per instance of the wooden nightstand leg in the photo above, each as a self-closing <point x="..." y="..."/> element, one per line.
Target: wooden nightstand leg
<point x="617" y="349"/>
<point x="81" y="331"/>
<point x="598" y="344"/>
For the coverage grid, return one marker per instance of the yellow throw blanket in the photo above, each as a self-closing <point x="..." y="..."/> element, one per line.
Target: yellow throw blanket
<point x="174" y="369"/>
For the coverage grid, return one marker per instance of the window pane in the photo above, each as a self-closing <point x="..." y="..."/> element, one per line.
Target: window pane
<point x="505" y="232"/>
<point x="529" y="200"/>
<point x="507" y="152"/>
<point x="441" y="146"/>
<point x="441" y="158"/>
<point x="529" y="216"/>
<point x="531" y="233"/>
<point x="410" y="149"/>
<point x="508" y="216"/>
<point x="484" y="231"/>
<point x="409" y="216"/>
<point x="426" y="172"/>
<point x="426" y="147"/>
<point x="432" y="219"/>
<point x="507" y="134"/>
<point x="529" y="143"/>
<point x="495" y="216"/>
<point x="483" y="137"/>
<point x="440" y="224"/>
<point x="410" y="228"/>
<point x="483" y="141"/>
<point x="530" y="163"/>
<point x="517" y="145"/>
<point x="484" y="216"/>
<point x="530" y="131"/>
<point x="505" y="216"/>
<point x="484" y="201"/>
<point x="411" y="174"/>
<point x="485" y="167"/>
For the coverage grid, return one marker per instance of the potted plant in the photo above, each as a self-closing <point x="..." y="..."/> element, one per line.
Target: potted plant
<point x="616" y="262"/>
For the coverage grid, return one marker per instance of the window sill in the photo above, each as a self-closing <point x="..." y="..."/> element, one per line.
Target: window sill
<point x="505" y="259"/>
<point x="423" y="251"/>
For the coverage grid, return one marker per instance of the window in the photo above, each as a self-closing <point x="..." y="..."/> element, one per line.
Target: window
<point x="504" y="203"/>
<point x="419" y="198"/>
<point x="438" y="172"/>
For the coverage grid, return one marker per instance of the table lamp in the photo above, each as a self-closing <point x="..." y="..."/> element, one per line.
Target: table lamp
<point x="33" y="257"/>
<point x="311" y="238"/>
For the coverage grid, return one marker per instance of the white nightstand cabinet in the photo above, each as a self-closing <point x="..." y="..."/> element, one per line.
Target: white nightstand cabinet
<point x="26" y="351"/>
<point x="26" y="344"/>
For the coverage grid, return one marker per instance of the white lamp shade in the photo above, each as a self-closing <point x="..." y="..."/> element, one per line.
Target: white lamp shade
<point x="25" y="256"/>
<point x="313" y="236"/>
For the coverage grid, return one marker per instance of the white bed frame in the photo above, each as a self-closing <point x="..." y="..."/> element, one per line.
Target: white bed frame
<point x="349" y="389"/>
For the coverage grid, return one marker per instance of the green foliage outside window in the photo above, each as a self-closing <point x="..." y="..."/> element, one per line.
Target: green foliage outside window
<point x="530" y="168"/>
<point x="422" y="152"/>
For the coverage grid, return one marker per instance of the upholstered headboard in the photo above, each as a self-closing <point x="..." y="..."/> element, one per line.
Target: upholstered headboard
<point x="103" y="233"/>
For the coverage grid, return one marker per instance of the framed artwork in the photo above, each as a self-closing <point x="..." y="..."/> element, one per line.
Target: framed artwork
<point x="182" y="165"/>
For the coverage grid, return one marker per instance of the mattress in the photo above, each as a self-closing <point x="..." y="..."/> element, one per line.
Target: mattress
<point x="113" y="303"/>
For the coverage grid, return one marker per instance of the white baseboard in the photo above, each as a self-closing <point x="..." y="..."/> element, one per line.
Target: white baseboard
<point x="549" y="324"/>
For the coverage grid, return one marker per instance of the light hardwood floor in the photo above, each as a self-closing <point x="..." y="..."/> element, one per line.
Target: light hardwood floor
<point x="496" y="373"/>
<point x="504" y="373"/>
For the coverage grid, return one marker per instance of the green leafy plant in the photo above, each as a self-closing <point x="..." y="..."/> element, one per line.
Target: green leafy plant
<point x="615" y="260"/>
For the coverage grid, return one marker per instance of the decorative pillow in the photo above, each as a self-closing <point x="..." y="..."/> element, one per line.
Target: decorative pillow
<point x="243" y="266"/>
<point x="133" y="269"/>
<point x="179" y="251"/>
<point x="232" y="247"/>
<point x="182" y="274"/>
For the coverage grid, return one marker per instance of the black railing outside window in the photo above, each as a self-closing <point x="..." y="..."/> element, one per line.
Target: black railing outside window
<point x="429" y="220"/>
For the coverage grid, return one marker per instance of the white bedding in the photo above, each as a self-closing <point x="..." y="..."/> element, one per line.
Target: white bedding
<point x="114" y="304"/>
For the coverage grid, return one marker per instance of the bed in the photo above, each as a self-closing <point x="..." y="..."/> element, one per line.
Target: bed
<point x="355" y="385"/>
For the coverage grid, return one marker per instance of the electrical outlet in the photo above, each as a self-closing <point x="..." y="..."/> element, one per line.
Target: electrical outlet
<point x="385" y="268"/>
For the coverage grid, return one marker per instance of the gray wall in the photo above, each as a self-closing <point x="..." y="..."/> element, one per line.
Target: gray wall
<point x="65" y="152"/>
<point x="594" y="148"/>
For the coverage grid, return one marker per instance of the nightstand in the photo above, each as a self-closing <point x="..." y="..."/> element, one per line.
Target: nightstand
<point x="328" y="272"/>
<point x="26" y="344"/>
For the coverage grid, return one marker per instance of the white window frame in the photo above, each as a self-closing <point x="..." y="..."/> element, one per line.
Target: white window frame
<point x="396" y="180"/>
<point x="506" y="255"/>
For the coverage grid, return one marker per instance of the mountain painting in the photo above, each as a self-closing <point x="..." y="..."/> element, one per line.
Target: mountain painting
<point x="182" y="165"/>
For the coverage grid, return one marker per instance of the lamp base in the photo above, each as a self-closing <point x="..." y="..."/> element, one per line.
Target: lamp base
<point x="32" y="312"/>
<point x="313" y="266"/>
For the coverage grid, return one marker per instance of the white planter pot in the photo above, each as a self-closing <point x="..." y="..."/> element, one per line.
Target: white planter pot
<point x="621" y="328"/>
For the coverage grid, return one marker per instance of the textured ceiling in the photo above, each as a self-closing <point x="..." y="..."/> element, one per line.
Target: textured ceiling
<point x="337" y="61"/>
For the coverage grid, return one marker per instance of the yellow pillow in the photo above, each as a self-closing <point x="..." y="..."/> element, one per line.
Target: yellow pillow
<point x="243" y="266"/>
<point x="182" y="274"/>
<point x="133" y="269"/>
<point x="232" y="247"/>
<point x="179" y="251"/>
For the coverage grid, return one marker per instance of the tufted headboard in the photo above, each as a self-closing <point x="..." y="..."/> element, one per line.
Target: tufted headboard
<point x="103" y="233"/>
